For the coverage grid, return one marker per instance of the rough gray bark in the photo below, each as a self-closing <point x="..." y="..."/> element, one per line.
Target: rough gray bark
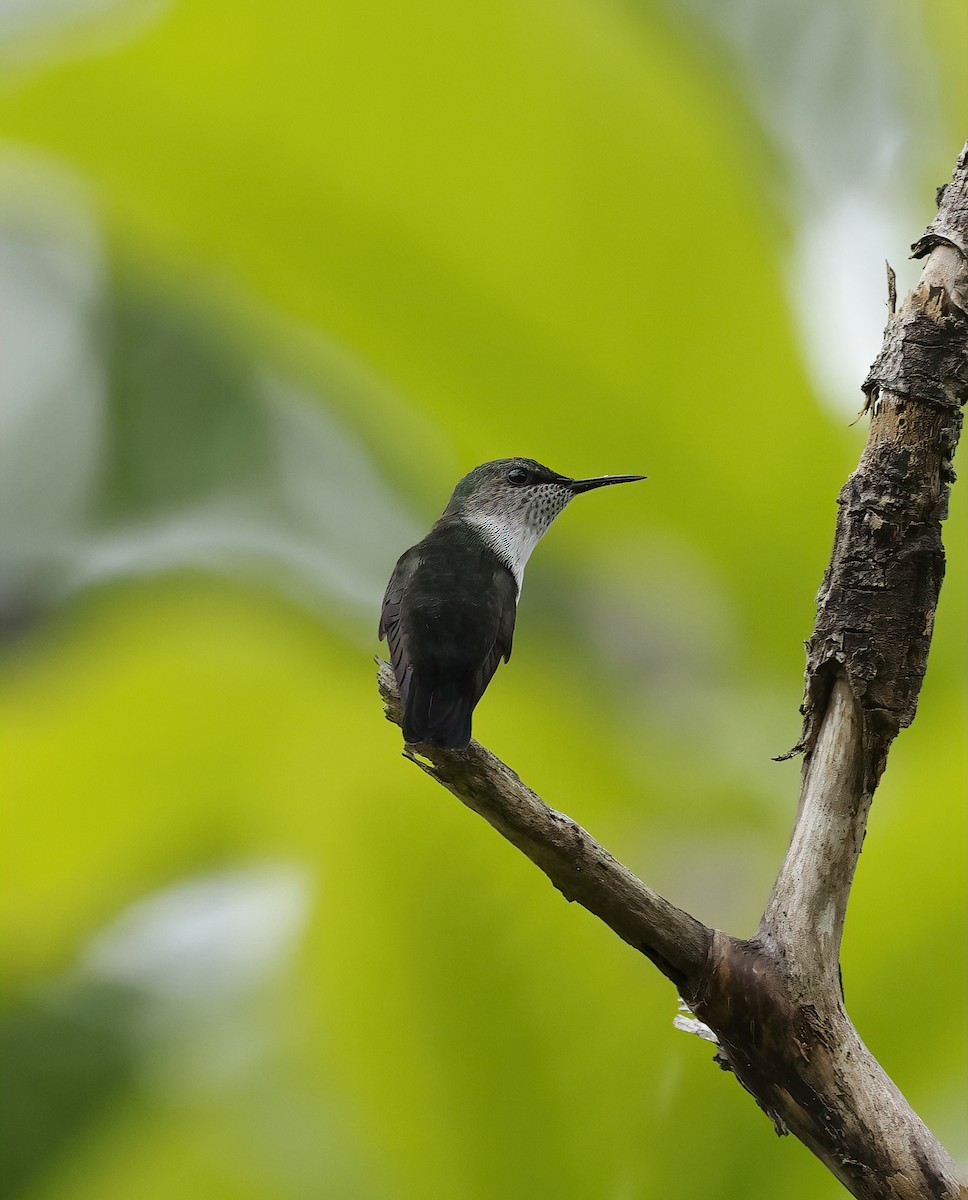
<point x="774" y="1002"/>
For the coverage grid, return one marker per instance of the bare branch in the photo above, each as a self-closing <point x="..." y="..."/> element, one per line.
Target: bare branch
<point x="876" y="607"/>
<point x="576" y="864"/>
<point x="804" y="919"/>
<point x="809" y="1071"/>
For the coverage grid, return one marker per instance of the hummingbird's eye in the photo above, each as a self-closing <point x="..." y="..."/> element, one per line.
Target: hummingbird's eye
<point x="517" y="476"/>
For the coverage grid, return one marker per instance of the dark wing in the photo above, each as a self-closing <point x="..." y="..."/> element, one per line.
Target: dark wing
<point x="448" y="617"/>
<point x="506" y="608"/>
<point x="391" y="620"/>
<point x="448" y="679"/>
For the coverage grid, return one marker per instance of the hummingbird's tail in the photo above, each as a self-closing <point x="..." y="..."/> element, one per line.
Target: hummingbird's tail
<point x="438" y="713"/>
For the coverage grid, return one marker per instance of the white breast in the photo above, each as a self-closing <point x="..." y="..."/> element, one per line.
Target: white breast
<point x="511" y="542"/>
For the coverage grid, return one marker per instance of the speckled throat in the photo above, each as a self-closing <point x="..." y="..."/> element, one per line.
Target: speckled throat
<point x="513" y="522"/>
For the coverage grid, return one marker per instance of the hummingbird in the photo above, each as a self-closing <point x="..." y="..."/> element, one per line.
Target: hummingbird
<point x="449" y="609"/>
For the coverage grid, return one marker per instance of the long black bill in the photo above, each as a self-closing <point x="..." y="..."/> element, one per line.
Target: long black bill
<point x="586" y="485"/>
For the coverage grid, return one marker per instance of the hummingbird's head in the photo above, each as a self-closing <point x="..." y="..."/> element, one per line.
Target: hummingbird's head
<point x="513" y="501"/>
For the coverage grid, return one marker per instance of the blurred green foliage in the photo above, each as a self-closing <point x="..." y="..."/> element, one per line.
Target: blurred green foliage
<point x="278" y="277"/>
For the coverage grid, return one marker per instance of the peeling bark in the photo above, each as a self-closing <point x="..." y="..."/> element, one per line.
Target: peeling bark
<point x="878" y="598"/>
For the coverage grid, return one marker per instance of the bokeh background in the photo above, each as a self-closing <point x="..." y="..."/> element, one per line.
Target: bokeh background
<point x="273" y="277"/>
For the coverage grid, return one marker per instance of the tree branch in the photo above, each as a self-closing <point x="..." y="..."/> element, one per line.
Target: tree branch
<point x="804" y="918"/>
<point x="576" y="864"/>
<point x="774" y="1002"/>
